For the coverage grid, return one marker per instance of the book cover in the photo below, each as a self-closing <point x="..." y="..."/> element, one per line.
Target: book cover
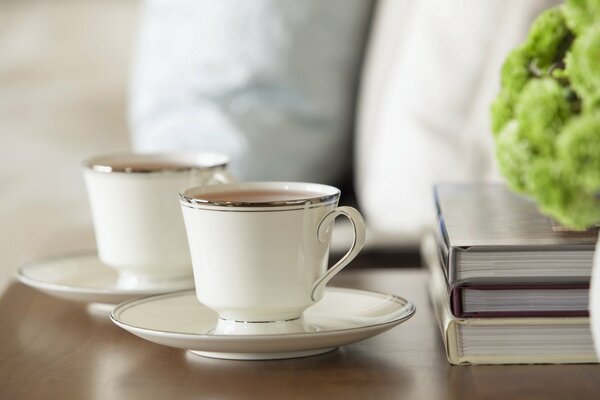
<point x="487" y="234"/>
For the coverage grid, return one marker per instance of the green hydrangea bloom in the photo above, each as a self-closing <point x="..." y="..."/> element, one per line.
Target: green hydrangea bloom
<point x="513" y="76"/>
<point x="512" y="155"/>
<point x="547" y="38"/>
<point x="515" y="71"/>
<point x="535" y="58"/>
<point x="557" y="194"/>
<point x="541" y="112"/>
<point x="502" y="112"/>
<point x="578" y="149"/>
<point x="581" y="14"/>
<point x="583" y="67"/>
<point x="546" y="118"/>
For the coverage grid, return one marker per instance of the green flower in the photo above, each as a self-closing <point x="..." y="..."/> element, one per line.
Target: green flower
<point x="578" y="149"/>
<point x="581" y="14"/>
<point x="502" y="112"/>
<point x="583" y="67"/>
<point x="537" y="57"/>
<point x="547" y="39"/>
<point x="546" y="118"/>
<point x="513" y="155"/>
<point x="541" y="111"/>
<point x="557" y="195"/>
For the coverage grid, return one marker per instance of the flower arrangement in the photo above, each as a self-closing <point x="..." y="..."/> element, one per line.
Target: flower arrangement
<point x="546" y="118"/>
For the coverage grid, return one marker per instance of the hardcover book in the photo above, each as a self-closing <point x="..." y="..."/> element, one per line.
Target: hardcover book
<point x="488" y="235"/>
<point x="514" y="300"/>
<point x="489" y="301"/>
<point x="525" y="340"/>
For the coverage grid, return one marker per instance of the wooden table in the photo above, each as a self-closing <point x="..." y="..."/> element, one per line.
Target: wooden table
<point x="55" y="349"/>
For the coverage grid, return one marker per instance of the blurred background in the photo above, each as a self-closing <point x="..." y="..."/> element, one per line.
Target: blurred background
<point x="380" y="98"/>
<point x="64" y="68"/>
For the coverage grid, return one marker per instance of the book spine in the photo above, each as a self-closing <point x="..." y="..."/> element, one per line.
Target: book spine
<point x="456" y="301"/>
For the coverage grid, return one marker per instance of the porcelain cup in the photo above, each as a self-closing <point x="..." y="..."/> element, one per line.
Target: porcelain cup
<point x="260" y="264"/>
<point x="137" y="219"/>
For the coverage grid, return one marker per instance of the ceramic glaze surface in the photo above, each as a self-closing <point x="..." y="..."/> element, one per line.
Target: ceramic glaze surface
<point x="342" y="317"/>
<point x="82" y="277"/>
<point x="137" y="221"/>
<point x="261" y="264"/>
<point x="261" y="256"/>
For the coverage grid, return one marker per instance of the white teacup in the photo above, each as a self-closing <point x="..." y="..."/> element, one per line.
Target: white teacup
<point x="137" y="219"/>
<point x="260" y="251"/>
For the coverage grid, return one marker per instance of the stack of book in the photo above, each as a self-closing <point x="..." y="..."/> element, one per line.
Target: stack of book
<point x="508" y="285"/>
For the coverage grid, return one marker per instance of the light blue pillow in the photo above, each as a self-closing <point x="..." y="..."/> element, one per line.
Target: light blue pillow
<point x="272" y="83"/>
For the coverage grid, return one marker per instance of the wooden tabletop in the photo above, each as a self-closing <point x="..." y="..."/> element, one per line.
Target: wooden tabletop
<point x="56" y="349"/>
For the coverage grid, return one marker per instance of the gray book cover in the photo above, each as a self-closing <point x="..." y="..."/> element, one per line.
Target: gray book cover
<point x="487" y="234"/>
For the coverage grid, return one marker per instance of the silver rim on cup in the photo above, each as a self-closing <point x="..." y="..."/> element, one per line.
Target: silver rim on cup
<point x="323" y="194"/>
<point x="141" y="163"/>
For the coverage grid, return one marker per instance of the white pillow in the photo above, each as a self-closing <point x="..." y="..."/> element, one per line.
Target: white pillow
<point x="431" y="74"/>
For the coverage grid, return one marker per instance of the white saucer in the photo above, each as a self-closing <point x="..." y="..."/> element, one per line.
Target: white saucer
<point x="344" y="316"/>
<point x="82" y="277"/>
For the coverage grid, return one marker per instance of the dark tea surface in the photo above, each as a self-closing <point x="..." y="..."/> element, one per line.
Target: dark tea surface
<point x="257" y="196"/>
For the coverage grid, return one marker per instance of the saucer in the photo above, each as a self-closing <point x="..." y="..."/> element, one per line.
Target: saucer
<point x="82" y="277"/>
<point x="344" y="316"/>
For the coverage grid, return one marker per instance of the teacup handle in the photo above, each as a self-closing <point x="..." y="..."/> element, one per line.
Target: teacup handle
<point x="323" y="232"/>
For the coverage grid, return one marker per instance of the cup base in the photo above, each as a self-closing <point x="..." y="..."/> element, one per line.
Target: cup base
<point x="231" y="327"/>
